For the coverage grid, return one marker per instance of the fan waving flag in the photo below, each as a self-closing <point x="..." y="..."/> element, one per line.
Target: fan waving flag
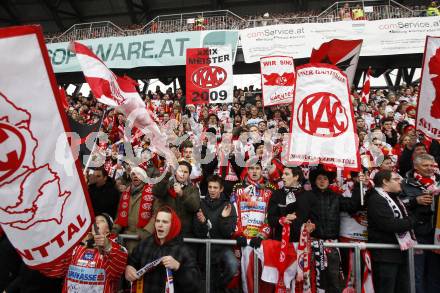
<point x="342" y="53"/>
<point x="366" y="88"/>
<point x="121" y="93"/>
<point x="44" y="207"/>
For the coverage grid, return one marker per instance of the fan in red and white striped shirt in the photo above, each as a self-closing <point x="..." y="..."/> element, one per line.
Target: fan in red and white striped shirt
<point x="92" y="267"/>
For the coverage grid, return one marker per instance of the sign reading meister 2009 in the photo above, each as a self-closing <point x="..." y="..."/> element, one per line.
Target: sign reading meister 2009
<point x="142" y="50"/>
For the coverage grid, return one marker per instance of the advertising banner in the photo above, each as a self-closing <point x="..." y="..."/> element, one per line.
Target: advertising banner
<point x="143" y="50"/>
<point x="380" y="37"/>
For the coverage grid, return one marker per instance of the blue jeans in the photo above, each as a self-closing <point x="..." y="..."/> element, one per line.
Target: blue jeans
<point x="419" y="267"/>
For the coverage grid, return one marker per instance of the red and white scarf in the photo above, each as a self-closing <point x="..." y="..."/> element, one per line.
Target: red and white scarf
<point x="145" y="208"/>
<point x="304" y="261"/>
<point x="430" y="184"/>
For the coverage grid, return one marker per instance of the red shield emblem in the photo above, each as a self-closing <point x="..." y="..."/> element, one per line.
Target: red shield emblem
<point x="209" y="77"/>
<point x="13" y="145"/>
<point x="322" y="114"/>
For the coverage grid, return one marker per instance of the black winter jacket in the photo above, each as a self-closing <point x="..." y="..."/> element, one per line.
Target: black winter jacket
<point x="327" y="206"/>
<point x="105" y="199"/>
<point x="423" y="215"/>
<point x="302" y="206"/>
<point x="382" y="227"/>
<point x="219" y="227"/>
<point x="186" y="279"/>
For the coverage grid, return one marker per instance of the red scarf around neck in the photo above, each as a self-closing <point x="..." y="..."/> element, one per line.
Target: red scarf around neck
<point x="145" y="208"/>
<point x="425" y="181"/>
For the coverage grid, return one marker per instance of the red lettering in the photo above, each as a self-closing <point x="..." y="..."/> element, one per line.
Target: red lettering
<point x="59" y="239"/>
<point x="81" y="222"/>
<point x="322" y="114"/>
<point x="26" y="254"/>
<point x="71" y="230"/>
<point x="42" y="249"/>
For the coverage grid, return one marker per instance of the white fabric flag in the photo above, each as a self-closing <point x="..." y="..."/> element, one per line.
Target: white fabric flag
<point x="277" y="80"/>
<point x="120" y="92"/>
<point x="322" y="123"/>
<point x="43" y="207"/>
<point x="428" y="110"/>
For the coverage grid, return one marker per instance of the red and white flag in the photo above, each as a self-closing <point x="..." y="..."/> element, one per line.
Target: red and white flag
<point x="322" y="122"/>
<point x="44" y="207"/>
<point x="342" y="53"/>
<point x="277" y="80"/>
<point x="365" y="98"/>
<point x="428" y="106"/>
<point x="209" y="75"/>
<point x="121" y="93"/>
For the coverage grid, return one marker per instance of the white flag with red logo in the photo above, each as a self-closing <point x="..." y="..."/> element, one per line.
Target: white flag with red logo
<point x="365" y="98"/>
<point x="277" y="80"/>
<point x="209" y="75"/>
<point x="120" y="92"/>
<point x="322" y="123"/>
<point x="428" y="106"/>
<point x="43" y="207"/>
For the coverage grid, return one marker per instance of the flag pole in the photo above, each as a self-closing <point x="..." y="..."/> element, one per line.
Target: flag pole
<point x="362" y="192"/>
<point x="94" y="143"/>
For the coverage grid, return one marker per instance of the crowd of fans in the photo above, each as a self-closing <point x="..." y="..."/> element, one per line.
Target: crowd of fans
<point x="252" y="201"/>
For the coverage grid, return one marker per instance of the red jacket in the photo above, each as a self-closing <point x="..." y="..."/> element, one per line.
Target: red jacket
<point x="88" y="268"/>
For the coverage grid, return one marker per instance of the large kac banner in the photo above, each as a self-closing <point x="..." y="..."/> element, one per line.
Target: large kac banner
<point x="322" y="123"/>
<point x="142" y="50"/>
<point x="44" y="208"/>
<point x="381" y="37"/>
<point x="428" y="106"/>
<point x="209" y="76"/>
<point x="277" y="80"/>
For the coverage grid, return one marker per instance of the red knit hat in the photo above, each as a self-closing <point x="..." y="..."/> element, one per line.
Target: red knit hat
<point x="175" y="228"/>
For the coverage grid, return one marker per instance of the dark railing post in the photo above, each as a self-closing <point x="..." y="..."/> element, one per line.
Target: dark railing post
<point x="208" y="266"/>
<point x="256" y="271"/>
<point x="357" y="263"/>
<point x="411" y="271"/>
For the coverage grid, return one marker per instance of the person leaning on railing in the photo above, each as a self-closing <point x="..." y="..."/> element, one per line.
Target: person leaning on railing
<point x="432" y="9"/>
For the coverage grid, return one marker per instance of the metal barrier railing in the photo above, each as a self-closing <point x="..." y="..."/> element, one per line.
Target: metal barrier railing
<point x="225" y="19"/>
<point x="357" y="246"/>
<point x="372" y="9"/>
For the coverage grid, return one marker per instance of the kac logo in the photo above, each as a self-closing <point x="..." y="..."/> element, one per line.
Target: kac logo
<point x="14" y="149"/>
<point x="209" y="77"/>
<point x="322" y="114"/>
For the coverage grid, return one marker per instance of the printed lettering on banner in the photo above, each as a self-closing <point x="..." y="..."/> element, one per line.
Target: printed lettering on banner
<point x="141" y="50"/>
<point x="85" y="280"/>
<point x="322" y="119"/>
<point x="277" y="80"/>
<point x="428" y="111"/>
<point x="380" y="37"/>
<point x="43" y="195"/>
<point x="209" y="75"/>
